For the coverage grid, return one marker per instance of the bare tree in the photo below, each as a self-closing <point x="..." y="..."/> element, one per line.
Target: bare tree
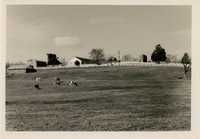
<point x="136" y="59"/>
<point x="171" y="58"/>
<point x="126" y="57"/>
<point x="168" y="60"/>
<point x="97" y="55"/>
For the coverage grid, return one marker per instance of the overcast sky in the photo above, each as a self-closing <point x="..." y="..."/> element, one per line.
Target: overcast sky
<point x="33" y="31"/>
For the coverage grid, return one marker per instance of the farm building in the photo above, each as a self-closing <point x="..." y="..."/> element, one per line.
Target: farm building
<point x="77" y="61"/>
<point x="53" y="59"/>
<point x="144" y="58"/>
<point x="36" y="63"/>
<point x="30" y="69"/>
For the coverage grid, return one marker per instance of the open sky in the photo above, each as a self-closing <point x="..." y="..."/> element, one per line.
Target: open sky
<point x="34" y="30"/>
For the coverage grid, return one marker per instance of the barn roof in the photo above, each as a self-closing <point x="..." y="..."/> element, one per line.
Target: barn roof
<point x="86" y="60"/>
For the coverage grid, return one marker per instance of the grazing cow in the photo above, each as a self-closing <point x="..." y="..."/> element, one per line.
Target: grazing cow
<point x="73" y="83"/>
<point x="58" y="81"/>
<point x="37" y="82"/>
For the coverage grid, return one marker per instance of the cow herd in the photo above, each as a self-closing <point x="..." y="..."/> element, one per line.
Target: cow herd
<point x="56" y="82"/>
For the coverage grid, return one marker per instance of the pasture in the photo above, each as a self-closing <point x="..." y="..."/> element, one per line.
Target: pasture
<point x="126" y="98"/>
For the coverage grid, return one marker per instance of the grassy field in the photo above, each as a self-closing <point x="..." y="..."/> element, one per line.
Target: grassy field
<point x="107" y="99"/>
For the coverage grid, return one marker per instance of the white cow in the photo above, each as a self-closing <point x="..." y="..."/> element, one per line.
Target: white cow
<point x="73" y="83"/>
<point x="37" y="82"/>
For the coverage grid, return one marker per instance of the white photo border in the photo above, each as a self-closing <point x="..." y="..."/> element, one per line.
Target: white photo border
<point x="195" y="99"/>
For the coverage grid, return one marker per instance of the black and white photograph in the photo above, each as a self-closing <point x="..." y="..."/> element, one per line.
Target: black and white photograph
<point x="98" y="68"/>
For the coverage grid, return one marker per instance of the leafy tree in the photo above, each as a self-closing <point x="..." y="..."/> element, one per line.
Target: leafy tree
<point x="186" y="61"/>
<point x="158" y="54"/>
<point x="97" y="55"/>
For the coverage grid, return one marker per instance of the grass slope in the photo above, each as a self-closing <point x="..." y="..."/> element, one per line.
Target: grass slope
<point x="107" y="99"/>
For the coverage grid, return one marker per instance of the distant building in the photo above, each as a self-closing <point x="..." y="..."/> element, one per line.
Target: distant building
<point x="30" y="69"/>
<point x="36" y="63"/>
<point x="52" y="59"/>
<point x="77" y="61"/>
<point x="144" y="58"/>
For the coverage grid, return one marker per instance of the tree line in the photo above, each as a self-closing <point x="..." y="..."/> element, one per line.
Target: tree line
<point x="158" y="55"/>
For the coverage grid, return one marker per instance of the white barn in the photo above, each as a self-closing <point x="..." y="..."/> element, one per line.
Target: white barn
<point x="77" y="61"/>
<point x="73" y="61"/>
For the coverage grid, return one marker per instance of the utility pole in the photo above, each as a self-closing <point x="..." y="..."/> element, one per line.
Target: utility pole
<point x="119" y="58"/>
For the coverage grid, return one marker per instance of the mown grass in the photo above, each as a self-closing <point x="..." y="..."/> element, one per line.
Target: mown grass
<point x="107" y="99"/>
